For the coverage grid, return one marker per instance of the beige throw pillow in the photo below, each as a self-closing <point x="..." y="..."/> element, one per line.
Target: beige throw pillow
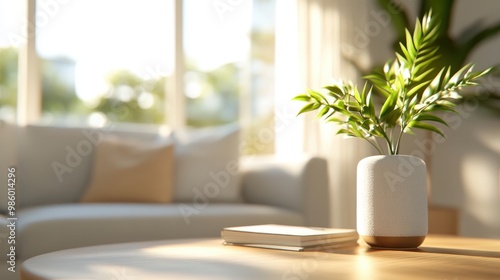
<point x="125" y="171"/>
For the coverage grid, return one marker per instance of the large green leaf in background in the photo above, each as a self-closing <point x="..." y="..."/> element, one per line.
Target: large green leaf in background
<point x="453" y="51"/>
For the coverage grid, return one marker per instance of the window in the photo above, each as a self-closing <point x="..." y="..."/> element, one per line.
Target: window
<point x="229" y="62"/>
<point x="105" y="61"/>
<point x="229" y="57"/>
<point x="217" y="50"/>
<point x="10" y="25"/>
<point x="117" y="61"/>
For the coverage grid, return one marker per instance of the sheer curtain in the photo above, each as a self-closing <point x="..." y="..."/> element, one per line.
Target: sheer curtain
<point x="326" y="30"/>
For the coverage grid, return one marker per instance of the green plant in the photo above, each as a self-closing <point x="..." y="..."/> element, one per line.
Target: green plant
<point x="453" y="50"/>
<point x="413" y="94"/>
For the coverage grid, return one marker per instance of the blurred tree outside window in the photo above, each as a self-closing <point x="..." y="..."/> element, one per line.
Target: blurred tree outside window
<point x="229" y="61"/>
<point x="10" y="14"/>
<point x="261" y="88"/>
<point x="8" y="83"/>
<point x="105" y="61"/>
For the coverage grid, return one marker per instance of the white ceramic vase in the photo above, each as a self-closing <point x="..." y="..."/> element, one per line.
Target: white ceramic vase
<point x="392" y="201"/>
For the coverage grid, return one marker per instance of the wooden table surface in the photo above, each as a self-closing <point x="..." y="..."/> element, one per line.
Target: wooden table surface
<point x="439" y="257"/>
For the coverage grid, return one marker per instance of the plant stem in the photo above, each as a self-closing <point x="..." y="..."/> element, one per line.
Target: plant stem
<point x="390" y="142"/>
<point x="399" y="140"/>
<point x="387" y="138"/>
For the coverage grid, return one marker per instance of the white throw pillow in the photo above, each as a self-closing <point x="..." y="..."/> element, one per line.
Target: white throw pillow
<point x="206" y="165"/>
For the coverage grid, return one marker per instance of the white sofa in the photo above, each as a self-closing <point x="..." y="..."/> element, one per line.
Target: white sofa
<point x="51" y="216"/>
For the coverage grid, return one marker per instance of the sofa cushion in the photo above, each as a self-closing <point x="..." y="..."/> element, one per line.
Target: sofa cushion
<point x="8" y="152"/>
<point x="49" y="228"/>
<point x="131" y="171"/>
<point x="206" y="164"/>
<point x="54" y="163"/>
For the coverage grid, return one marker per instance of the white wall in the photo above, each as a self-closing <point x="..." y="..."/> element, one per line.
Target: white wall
<point x="465" y="168"/>
<point x="465" y="172"/>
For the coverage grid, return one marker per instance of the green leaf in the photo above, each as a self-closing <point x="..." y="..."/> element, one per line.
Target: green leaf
<point x="446" y="103"/>
<point x="421" y="125"/>
<point x="455" y="78"/>
<point x="380" y="84"/>
<point x="422" y="76"/>
<point x="323" y="112"/>
<point x="402" y="60"/>
<point x="354" y="130"/>
<point x="363" y="94"/>
<point x="393" y="117"/>
<point x="425" y="61"/>
<point x="371" y="105"/>
<point x="388" y="106"/>
<point x="405" y="51"/>
<point x="345" y="131"/>
<point x="445" y="78"/>
<point x="375" y="78"/>
<point x="309" y="107"/>
<point x="333" y="119"/>
<point x="302" y="97"/>
<point x="318" y="96"/>
<point x="440" y="107"/>
<point x="417" y="34"/>
<point x="408" y="131"/>
<point x="486" y="71"/>
<point x="413" y="101"/>
<point x="431" y="89"/>
<point x="410" y="47"/>
<point x="357" y="96"/>
<point x="354" y="117"/>
<point x="431" y="35"/>
<point x="428" y="53"/>
<point x="335" y="91"/>
<point x="352" y="106"/>
<point x="415" y="89"/>
<point x="429" y="117"/>
<point x="333" y="111"/>
<point x="338" y="108"/>
<point x="341" y="104"/>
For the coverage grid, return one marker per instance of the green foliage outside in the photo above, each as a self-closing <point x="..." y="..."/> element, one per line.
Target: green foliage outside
<point x="133" y="99"/>
<point x="218" y="100"/>
<point x="59" y="97"/>
<point x="8" y="78"/>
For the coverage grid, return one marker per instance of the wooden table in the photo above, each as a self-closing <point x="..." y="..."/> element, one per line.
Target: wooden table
<point x="440" y="257"/>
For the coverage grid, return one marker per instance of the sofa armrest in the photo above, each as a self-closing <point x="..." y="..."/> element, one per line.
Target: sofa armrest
<point x="300" y="185"/>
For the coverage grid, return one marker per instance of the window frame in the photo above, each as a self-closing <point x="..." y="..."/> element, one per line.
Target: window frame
<point x="29" y="106"/>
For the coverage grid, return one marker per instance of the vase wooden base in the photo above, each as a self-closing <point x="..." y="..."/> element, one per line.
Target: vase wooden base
<point x="394" y="242"/>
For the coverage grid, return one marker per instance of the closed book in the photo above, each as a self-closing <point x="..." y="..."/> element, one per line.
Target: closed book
<point x="283" y="235"/>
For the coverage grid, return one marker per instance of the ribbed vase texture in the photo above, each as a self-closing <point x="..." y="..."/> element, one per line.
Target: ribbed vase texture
<point x="392" y="197"/>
